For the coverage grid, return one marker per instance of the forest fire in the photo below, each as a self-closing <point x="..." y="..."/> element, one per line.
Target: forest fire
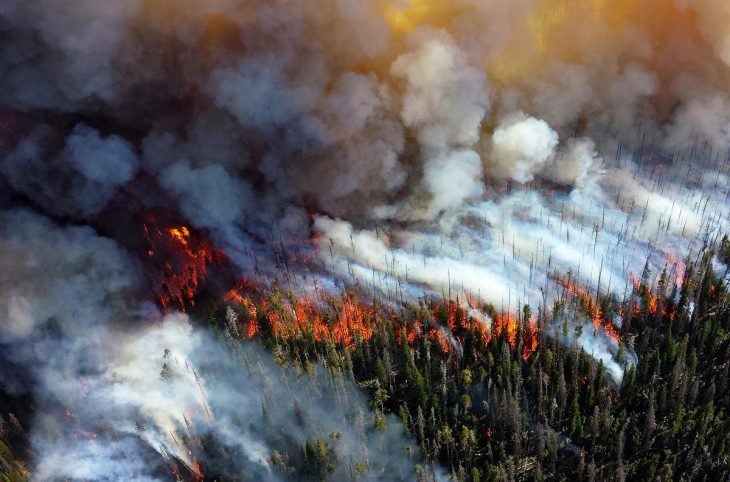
<point x="299" y="318"/>
<point x="438" y="336"/>
<point x="181" y="259"/>
<point x="653" y="301"/>
<point x="250" y="323"/>
<point x="506" y="323"/>
<point x="530" y="339"/>
<point x="305" y="240"/>
<point x="590" y="307"/>
<point x="346" y="321"/>
<point x="197" y="470"/>
<point x="677" y="268"/>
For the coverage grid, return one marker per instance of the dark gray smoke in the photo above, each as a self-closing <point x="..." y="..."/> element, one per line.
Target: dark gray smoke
<point x="498" y="144"/>
<point x="114" y="383"/>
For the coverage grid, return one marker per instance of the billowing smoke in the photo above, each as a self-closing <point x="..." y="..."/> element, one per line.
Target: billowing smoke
<point x="114" y="382"/>
<point x="481" y="150"/>
<point x="93" y="168"/>
<point x="521" y="147"/>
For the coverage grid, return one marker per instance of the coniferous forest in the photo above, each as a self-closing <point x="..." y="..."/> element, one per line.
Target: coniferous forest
<point x="364" y="240"/>
<point x="493" y="408"/>
<point x="510" y="403"/>
<point x="487" y="411"/>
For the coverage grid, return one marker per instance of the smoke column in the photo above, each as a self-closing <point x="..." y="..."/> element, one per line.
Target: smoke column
<point x="485" y="151"/>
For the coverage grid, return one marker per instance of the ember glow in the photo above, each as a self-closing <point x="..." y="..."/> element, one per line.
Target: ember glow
<point x="508" y="171"/>
<point x="180" y="261"/>
<point x="589" y="306"/>
<point x="347" y="321"/>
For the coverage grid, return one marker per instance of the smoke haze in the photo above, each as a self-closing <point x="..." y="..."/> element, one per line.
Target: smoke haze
<point x="462" y="148"/>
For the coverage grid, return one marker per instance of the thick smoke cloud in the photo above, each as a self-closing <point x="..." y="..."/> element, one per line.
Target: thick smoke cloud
<point x="89" y="168"/>
<point x="522" y="146"/>
<point x="578" y="166"/>
<point x="209" y="197"/>
<point x="88" y="277"/>
<point x="62" y="57"/>
<point x="445" y="101"/>
<point x="114" y="383"/>
<point x="463" y="147"/>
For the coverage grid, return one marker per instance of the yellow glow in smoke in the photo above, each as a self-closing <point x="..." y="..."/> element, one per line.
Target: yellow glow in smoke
<point x="568" y="31"/>
<point x="616" y="12"/>
<point x="550" y="24"/>
<point x="397" y="18"/>
<point x="549" y="15"/>
<point x="525" y="53"/>
<point x="405" y="16"/>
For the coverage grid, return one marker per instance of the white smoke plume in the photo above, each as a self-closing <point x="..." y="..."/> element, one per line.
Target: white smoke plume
<point x="462" y="148"/>
<point x="115" y="382"/>
<point x="521" y="147"/>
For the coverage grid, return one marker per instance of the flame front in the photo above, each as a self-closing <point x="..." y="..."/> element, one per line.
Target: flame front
<point x="182" y="261"/>
<point x="346" y="321"/>
<point x="590" y="307"/>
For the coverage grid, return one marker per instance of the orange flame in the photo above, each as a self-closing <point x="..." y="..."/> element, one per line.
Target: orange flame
<point x="182" y="259"/>
<point x="653" y="299"/>
<point x="677" y="266"/>
<point x="346" y="320"/>
<point x="197" y="472"/>
<point x="250" y="324"/>
<point x="460" y="322"/>
<point x="530" y="339"/>
<point x="354" y="321"/>
<point x="506" y="322"/>
<point x="589" y="305"/>
<point x="434" y="334"/>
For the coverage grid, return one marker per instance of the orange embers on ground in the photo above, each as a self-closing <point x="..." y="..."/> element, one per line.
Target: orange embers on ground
<point x="589" y="305"/>
<point x="181" y="258"/>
